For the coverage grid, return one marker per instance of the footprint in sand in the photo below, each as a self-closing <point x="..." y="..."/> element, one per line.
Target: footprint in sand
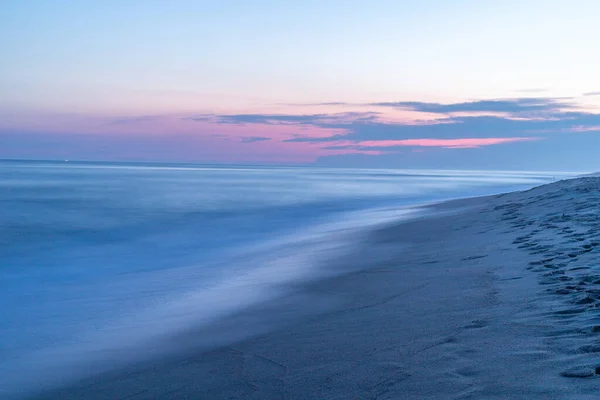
<point x="586" y="371"/>
<point x="477" y="324"/>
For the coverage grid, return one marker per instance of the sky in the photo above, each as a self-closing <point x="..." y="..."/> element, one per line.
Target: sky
<point x="381" y="83"/>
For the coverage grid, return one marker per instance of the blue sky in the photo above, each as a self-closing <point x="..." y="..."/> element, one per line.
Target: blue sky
<point x="432" y="83"/>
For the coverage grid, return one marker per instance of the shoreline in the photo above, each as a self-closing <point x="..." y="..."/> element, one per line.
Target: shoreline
<point x="456" y="305"/>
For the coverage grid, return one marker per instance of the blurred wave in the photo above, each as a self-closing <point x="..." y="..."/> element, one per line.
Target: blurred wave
<point x="97" y="260"/>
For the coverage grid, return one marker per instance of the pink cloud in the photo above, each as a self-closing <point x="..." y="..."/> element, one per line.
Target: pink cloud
<point x="449" y="143"/>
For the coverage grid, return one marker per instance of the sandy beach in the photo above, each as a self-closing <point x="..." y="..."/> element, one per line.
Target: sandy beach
<point x="485" y="298"/>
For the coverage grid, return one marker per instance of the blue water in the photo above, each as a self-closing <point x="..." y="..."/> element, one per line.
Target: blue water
<point x="100" y="257"/>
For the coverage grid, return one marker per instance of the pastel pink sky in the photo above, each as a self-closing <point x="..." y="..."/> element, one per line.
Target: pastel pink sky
<point x="234" y="141"/>
<point x="330" y="82"/>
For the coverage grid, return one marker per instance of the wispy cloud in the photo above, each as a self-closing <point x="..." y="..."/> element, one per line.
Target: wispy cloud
<point x="459" y="125"/>
<point x="254" y="139"/>
<point x="203" y="118"/>
<point x="592" y="94"/>
<point x="391" y="145"/>
<point x="509" y="106"/>
<point x="288" y="119"/>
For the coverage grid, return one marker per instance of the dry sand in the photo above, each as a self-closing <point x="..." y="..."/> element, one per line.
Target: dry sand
<point x="491" y="298"/>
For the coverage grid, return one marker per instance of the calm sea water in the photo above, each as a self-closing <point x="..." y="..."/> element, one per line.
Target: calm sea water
<point x="98" y="258"/>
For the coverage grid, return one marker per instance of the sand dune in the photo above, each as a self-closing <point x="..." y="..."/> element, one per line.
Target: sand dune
<point x="488" y="298"/>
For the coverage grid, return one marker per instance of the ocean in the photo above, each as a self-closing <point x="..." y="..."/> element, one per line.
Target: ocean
<point x="100" y="260"/>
